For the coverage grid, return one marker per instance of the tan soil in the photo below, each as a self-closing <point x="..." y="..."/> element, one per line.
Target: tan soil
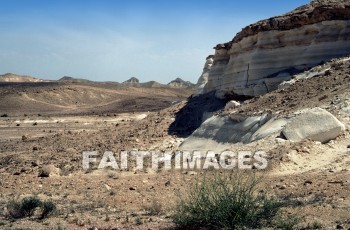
<point x="312" y="177"/>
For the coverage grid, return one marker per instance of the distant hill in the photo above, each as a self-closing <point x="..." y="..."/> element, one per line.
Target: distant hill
<point x="72" y="79"/>
<point x="9" y="77"/>
<point x="132" y="80"/>
<point x="179" y="83"/>
<point x="152" y="84"/>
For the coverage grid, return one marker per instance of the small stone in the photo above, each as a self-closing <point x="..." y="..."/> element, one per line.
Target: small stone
<point x="107" y="187"/>
<point x="35" y="148"/>
<point x="24" y="138"/>
<point x="167" y="183"/>
<point x="49" y="171"/>
<point x="348" y="147"/>
<point x="80" y="223"/>
<point x="35" y="123"/>
<point x="232" y="104"/>
<point x="282" y="187"/>
<point x="280" y="140"/>
<point x="307" y="182"/>
<point x="132" y="188"/>
<point x="339" y="226"/>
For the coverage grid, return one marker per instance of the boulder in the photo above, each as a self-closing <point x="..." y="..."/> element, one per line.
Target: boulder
<point x="140" y="117"/>
<point x="316" y="124"/>
<point x="218" y="133"/>
<point x="232" y="104"/>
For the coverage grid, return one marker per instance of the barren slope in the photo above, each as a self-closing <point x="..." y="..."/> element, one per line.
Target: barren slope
<point x="84" y="98"/>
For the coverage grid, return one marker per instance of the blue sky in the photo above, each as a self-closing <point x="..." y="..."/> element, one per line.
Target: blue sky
<point x="106" y="40"/>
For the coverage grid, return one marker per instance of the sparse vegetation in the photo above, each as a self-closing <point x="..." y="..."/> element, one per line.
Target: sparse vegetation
<point x="47" y="207"/>
<point x="226" y="201"/>
<point x="59" y="227"/>
<point x="138" y="220"/>
<point x="29" y="204"/>
<point x="317" y="225"/>
<point x="288" y="223"/>
<point x="154" y="208"/>
<point x="27" y="207"/>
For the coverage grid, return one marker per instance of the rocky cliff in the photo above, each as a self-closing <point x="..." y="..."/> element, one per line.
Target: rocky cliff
<point x="271" y="51"/>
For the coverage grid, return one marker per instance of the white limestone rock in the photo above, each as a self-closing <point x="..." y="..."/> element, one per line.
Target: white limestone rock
<point x="218" y="133"/>
<point x="232" y="105"/>
<point x="316" y="124"/>
<point x="203" y="79"/>
<point x="271" y="51"/>
<point x="140" y="117"/>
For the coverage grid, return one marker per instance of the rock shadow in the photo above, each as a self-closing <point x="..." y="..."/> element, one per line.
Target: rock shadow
<point x="190" y="117"/>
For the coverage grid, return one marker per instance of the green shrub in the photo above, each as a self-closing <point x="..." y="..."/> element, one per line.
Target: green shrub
<point x="226" y="201"/>
<point x="29" y="204"/>
<point x="59" y="227"/>
<point x="288" y="223"/>
<point x="316" y="225"/>
<point x="27" y="207"/>
<point x="47" y="208"/>
<point x="15" y="209"/>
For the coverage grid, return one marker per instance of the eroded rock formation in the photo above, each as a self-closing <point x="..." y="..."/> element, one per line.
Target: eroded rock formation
<point x="203" y="79"/>
<point x="268" y="52"/>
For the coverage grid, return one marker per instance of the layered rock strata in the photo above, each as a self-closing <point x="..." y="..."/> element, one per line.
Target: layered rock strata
<point x="271" y="51"/>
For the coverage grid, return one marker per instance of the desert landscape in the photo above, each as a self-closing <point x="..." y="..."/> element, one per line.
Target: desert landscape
<point x="280" y="87"/>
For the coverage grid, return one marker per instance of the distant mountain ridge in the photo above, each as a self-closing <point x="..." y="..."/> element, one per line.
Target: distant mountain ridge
<point x="9" y="77"/>
<point x="72" y="79"/>
<point x="133" y="81"/>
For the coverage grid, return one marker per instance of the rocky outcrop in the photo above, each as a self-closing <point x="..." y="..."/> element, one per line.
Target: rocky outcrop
<point x="271" y="51"/>
<point x="219" y="132"/>
<point x="203" y="79"/>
